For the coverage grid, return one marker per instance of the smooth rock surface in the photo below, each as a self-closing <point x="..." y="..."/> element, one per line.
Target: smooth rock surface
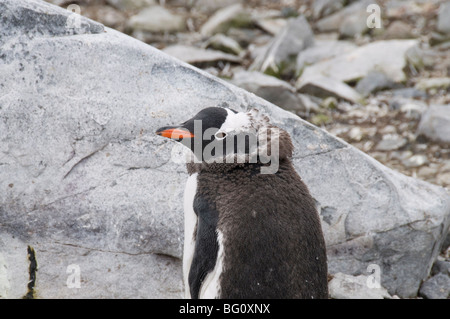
<point x="85" y="181"/>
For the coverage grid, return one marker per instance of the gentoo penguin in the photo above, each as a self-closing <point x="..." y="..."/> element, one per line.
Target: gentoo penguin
<point x="249" y="233"/>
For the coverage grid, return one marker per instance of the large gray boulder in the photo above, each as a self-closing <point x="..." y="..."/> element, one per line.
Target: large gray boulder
<point x="97" y="196"/>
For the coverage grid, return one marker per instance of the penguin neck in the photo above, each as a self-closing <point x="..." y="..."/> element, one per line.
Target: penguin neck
<point x="223" y="168"/>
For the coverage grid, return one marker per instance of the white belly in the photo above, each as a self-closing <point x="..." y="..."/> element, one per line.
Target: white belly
<point x="211" y="286"/>
<point x="190" y="222"/>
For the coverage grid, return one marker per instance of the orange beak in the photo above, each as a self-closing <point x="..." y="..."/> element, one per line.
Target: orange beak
<point x="174" y="133"/>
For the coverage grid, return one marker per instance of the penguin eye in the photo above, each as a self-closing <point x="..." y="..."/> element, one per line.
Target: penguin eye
<point x="220" y="135"/>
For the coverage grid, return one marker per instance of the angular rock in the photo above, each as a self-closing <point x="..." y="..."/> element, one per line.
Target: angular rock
<point x="443" y="21"/>
<point x="322" y="8"/>
<point x="322" y="50"/>
<point x="435" y="123"/>
<point x="107" y="15"/>
<point x="157" y="19"/>
<point x="324" y="87"/>
<point x="398" y="30"/>
<point x="195" y="55"/>
<point x="269" y="88"/>
<point x="223" y="43"/>
<point x="223" y="19"/>
<point x="433" y="83"/>
<point x="374" y="81"/>
<point x="437" y="287"/>
<point x="415" y="161"/>
<point x="214" y="5"/>
<point x="391" y="142"/>
<point x="441" y="267"/>
<point x="358" y="63"/>
<point x="279" y="56"/>
<point x="272" y="26"/>
<point x="85" y="181"/>
<point x="348" y="21"/>
<point x="344" y="286"/>
<point x="131" y="4"/>
<point x="354" y="25"/>
<point x="398" y="9"/>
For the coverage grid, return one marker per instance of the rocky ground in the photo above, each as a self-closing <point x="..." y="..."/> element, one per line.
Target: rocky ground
<point x="383" y="88"/>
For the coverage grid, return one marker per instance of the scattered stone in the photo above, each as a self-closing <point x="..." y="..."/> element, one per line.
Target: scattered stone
<point x="320" y="119"/>
<point x="397" y="9"/>
<point x="157" y="19"/>
<point x="427" y="172"/>
<point x="223" y="43"/>
<point x="354" y="25"/>
<point x="409" y="93"/>
<point x="232" y="16"/>
<point x="106" y="15"/>
<point x="436" y="287"/>
<point x="348" y="21"/>
<point x="248" y="37"/>
<point x="322" y="8"/>
<point x="322" y="50"/>
<point x="415" y="161"/>
<point x="401" y="155"/>
<point x="326" y="86"/>
<point x="356" y="134"/>
<point x="443" y="179"/>
<point x="209" y="6"/>
<point x="310" y="102"/>
<point x="446" y="246"/>
<point x="441" y="267"/>
<point x="360" y="62"/>
<point x="131" y="4"/>
<point x="344" y="286"/>
<point x="270" y="88"/>
<point x="435" y="123"/>
<point x="194" y="55"/>
<point x="329" y="102"/>
<point x="439" y="38"/>
<point x="391" y="142"/>
<point x="411" y="108"/>
<point x="272" y="26"/>
<point x="398" y="30"/>
<point x="443" y="21"/>
<point x="374" y="81"/>
<point x="433" y="83"/>
<point x="446" y="167"/>
<point x="279" y="56"/>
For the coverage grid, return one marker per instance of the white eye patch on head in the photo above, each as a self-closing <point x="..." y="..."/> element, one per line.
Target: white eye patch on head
<point x="235" y="123"/>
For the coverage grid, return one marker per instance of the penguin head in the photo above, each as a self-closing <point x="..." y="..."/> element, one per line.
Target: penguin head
<point x="218" y="133"/>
